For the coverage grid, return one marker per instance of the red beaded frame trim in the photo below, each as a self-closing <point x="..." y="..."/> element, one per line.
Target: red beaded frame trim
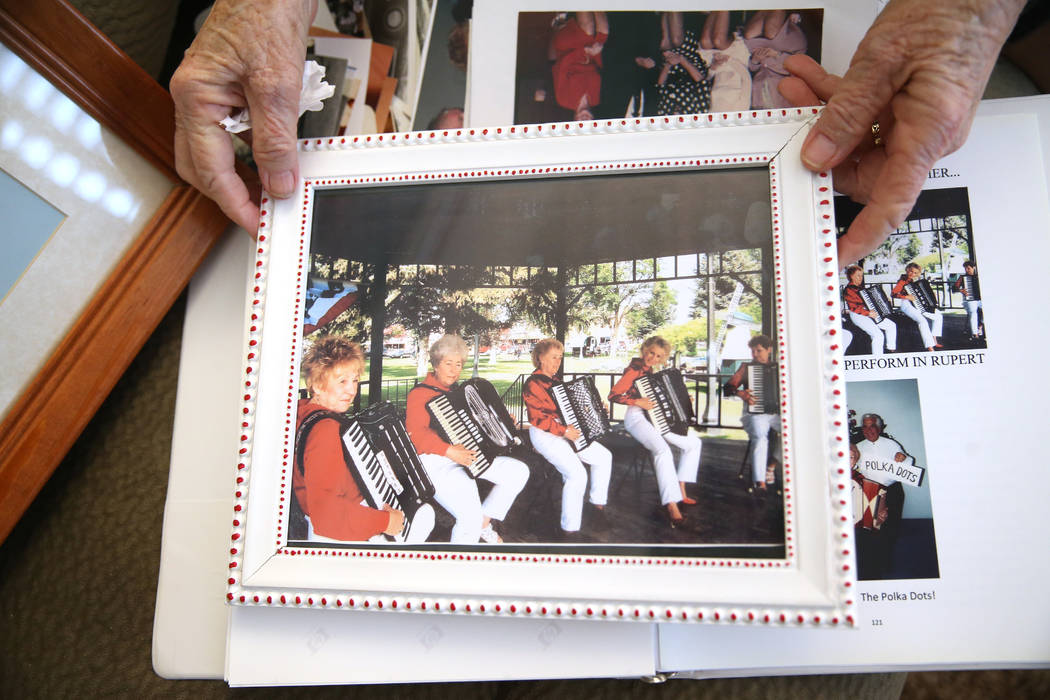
<point x="628" y="611"/>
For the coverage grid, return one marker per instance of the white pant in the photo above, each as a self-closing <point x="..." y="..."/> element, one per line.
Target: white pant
<point x="875" y="332"/>
<point x="930" y="323"/>
<point x="667" y="477"/>
<point x="757" y="426"/>
<point x="569" y="464"/>
<point x="458" y="493"/>
<point x="971" y="308"/>
<point x="422" y="524"/>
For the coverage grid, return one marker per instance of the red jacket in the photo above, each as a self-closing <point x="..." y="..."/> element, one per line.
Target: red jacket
<point x="418" y="421"/>
<point x="543" y="412"/>
<point x="851" y="294"/>
<point x="327" y="492"/>
<point x="623" y="390"/>
<point x="899" y="292"/>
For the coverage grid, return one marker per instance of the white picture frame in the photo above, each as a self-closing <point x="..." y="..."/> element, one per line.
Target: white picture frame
<point x="810" y="583"/>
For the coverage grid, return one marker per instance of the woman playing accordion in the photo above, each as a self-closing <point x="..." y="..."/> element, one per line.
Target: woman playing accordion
<point x="444" y="463"/>
<point x="670" y="478"/>
<point x="550" y="437"/>
<point x="970" y="288"/>
<point x="757" y="423"/>
<point x="324" y="485"/>
<point x="925" y="315"/>
<point x="882" y="332"/>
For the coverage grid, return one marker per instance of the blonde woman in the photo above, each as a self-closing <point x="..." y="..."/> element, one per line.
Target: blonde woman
<point x="671" y="477"/>
<point x="551" y="438"/>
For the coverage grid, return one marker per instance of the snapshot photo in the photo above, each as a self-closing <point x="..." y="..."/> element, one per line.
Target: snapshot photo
<point x="577" y="66"/>
<point x="892" y="514"/>
<point x="920" y="290"/>
<point x="443" y="79"/>
<point x="533" y="363"/>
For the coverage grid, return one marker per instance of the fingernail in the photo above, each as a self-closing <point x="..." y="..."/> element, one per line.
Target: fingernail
<point x="818" y="151"/>
<point x="281" y="184"/>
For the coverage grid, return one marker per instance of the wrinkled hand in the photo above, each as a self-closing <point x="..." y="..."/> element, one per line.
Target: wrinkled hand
<point x="572" y="433"/>
<point x="249" y="53"/>
<point x="920" y="71"/>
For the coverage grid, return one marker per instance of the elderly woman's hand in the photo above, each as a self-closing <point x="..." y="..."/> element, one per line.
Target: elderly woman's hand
<point x="919" y="71"/>
<point x="249" y="53"/>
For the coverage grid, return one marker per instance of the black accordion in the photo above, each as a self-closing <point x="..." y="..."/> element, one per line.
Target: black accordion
<point x="763" y="381"/>
<point x="581" y="407"/>
<point x="381" y="459"/>
<point x="923" y="294"/>
<point x="672" y="410"/>
<point x="473" y="415"/>
<point x="876" y="301"/>
<point x="971" y="289"/>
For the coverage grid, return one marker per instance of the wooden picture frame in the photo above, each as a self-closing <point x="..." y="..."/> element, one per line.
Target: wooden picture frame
<point x="42" y="422"/>
<point x="409" y="199"/>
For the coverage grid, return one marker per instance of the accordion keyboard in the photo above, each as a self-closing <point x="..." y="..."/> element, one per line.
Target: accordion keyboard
<point x="376" y="474"/>
<point x="460" y="430"/>
<point x="648" y="391"/>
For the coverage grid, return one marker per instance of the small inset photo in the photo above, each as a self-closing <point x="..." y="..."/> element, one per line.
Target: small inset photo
<point x="920" y="290"/>
<point x="892" y="514"/>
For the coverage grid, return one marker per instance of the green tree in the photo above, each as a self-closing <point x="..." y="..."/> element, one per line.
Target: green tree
<point x="731" y="268"/>
<point x="685" y="337"/>
<point x="643" y="319"/>
<point x="909" y="248"/>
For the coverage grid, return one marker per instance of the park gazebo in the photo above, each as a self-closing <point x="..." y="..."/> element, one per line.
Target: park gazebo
<point x="592" y="229"/>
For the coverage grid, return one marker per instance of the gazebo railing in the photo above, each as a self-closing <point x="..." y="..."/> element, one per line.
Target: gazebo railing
<point x="708" y="409"/>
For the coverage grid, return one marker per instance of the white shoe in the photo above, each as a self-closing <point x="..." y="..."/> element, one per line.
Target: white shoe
<point x="490" y="536"/>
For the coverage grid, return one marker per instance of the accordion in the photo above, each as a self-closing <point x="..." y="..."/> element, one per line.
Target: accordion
<point x="581" y="407"/>
<point x="876" y="302"/>
<point x="971" y="289"/>
<point x="869" y="500"/>
<point x="763" y="382"/>
<point x="921" y="290"/>
<point x="672" y="411"/>
<point x="381" y="459"/>
<point x="473" y="415"/>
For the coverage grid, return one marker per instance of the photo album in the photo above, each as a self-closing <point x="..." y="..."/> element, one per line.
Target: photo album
<point x="578" y="349"/>
<point x="549" y="371"/>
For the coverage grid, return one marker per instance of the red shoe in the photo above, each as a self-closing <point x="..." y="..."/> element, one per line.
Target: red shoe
<point x="688" y="501"/>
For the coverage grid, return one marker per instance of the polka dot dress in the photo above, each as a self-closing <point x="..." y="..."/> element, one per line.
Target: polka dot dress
<point x="680" y="94"/>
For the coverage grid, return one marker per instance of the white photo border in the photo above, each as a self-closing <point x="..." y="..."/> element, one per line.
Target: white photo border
<point x="812" y="585"/>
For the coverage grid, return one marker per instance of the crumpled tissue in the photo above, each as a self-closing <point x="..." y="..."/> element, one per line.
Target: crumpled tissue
<point x="315" y="90"/>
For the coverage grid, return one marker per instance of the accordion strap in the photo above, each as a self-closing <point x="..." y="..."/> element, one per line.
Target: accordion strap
<point x="301" y="433"/>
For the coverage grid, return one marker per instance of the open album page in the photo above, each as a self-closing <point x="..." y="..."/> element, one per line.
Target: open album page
<point x="943" y="333"/>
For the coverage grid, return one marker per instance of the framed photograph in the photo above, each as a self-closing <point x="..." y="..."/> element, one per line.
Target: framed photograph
<point x="464" y="253"/>
<point x="543" y="60"/>
<point x="108" y="235"/>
